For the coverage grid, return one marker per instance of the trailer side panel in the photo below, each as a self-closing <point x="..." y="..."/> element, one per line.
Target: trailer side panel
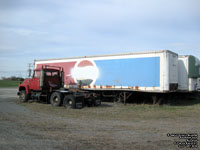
<point x="149" y="72"/>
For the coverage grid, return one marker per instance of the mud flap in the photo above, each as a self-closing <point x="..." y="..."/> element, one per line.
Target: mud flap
<point x="79" y="101"/>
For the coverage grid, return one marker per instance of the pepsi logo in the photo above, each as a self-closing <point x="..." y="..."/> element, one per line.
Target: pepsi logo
<point x="85" y="72"/>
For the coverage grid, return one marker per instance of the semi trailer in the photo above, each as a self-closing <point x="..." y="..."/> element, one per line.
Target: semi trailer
<point x="92" y="78"/>
<point x="147" y="71"/>
<point x="188" y="73"/>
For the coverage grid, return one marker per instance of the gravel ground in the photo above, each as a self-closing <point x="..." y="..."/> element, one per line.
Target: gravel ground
<point x="111" y="126"/>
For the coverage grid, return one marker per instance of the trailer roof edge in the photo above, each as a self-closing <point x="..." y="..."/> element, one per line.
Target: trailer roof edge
<point x="120" y="54"/>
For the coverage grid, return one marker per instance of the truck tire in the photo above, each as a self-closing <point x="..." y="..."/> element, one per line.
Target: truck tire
<point x="56" y="99"/>
<point x="23" y="97"/>
<point x="71" y="102"/>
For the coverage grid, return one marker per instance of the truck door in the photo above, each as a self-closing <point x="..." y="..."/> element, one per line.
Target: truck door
<point x="35" y="82"/>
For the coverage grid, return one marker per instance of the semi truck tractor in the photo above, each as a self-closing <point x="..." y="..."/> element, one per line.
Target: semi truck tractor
<point x="47" y="84"/>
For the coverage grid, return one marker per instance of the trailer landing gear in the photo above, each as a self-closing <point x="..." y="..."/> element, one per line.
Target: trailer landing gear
<point x="123" y="96"/>
<point x="157" y="99"/>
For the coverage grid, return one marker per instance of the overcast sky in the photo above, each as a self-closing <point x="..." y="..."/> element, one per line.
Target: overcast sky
<point x="40" y="29"/>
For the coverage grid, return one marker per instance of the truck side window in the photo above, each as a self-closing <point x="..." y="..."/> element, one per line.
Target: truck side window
<point x="55" y="74"/>
<point x="37" y="74"/>
<point x="48" y="74"/>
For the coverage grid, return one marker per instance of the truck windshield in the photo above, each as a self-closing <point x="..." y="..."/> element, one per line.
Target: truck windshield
<point x="52" y="74"/>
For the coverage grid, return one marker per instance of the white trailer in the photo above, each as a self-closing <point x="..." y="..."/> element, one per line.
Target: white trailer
<point x="188" y="73"/>
<point x="154" y="71"/>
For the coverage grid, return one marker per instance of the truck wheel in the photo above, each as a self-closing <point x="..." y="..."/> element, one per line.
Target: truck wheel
<point x="69" y="101"/>
<point x="55" y="99"/>
<point x="23" y="97"/>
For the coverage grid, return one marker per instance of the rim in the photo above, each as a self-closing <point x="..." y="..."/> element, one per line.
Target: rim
<point x="22" y="96"/>
<point x="70" y="102"/>
<point x="55" y="99"/>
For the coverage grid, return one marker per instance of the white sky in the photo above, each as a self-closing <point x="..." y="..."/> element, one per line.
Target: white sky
<point x="31" y="29"/>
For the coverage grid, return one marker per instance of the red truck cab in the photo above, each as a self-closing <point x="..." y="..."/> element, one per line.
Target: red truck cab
<point x="44" y="81"/>
<point x="47" y="84"/>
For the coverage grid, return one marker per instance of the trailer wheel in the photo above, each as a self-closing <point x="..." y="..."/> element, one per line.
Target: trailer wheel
<point x="69" y="101"/>
<point x="23" y="97"/>
<point x="55" y="99"/>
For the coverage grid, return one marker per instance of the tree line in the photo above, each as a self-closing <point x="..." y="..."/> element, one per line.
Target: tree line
<point x="13" y="78"/>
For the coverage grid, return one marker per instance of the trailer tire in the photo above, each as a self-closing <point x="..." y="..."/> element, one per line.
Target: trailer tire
<point x="23" y="97"/>
<point x="56" y="99"/>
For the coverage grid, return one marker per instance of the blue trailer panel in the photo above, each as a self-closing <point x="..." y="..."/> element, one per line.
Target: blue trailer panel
<point x="142" y="72"/>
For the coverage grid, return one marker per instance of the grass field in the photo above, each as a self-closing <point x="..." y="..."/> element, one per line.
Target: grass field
<point x="9" y="83"/>
<point x="111" y="126"/>
<point x="117" y="126"/>
<point x="129" y="112"/>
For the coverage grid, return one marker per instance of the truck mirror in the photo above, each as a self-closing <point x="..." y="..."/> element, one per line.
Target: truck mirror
<point x="41" y="78"/>
<point x="63" y="78"/>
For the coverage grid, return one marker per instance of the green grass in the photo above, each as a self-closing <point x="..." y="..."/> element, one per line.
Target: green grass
<point x="129" y="112"/>
<point x="9" y="83"/>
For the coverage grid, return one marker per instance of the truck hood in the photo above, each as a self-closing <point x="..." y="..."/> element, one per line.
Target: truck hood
<point x="26" y="81"/>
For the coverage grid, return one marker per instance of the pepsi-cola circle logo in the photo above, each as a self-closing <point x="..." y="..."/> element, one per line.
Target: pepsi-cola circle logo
<point x="85" y="72"/>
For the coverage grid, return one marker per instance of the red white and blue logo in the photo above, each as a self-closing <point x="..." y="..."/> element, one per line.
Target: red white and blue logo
<point x="85" y="72"/>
